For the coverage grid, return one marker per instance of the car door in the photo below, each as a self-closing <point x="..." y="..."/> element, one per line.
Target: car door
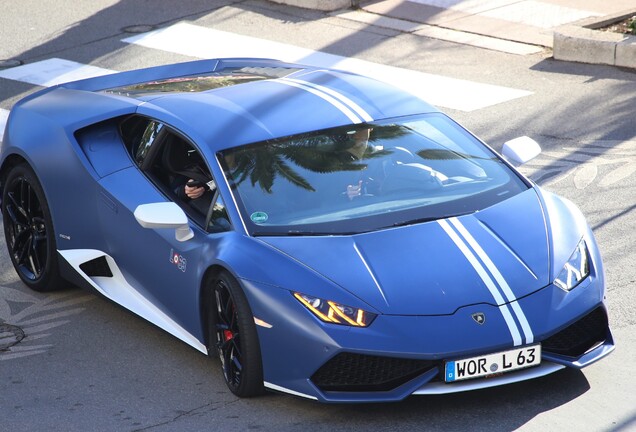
<point x="162" y="274"/>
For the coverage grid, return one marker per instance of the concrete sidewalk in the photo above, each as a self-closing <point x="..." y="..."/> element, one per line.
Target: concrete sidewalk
<point x="527" y="21"/>
<point x="514" y="26"/>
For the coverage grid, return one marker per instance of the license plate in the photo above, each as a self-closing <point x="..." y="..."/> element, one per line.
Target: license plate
<point x="493" y="364"/>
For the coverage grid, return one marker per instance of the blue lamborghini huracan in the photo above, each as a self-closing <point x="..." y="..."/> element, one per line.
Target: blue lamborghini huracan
<point x="322" y="233"/>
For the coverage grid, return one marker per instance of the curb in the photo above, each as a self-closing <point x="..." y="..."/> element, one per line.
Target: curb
<point x="578" y="42"/>
<point x="321" y="5"/>
<point x="582" y="43"/>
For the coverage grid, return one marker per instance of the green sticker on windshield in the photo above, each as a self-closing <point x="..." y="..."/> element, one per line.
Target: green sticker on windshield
<point x="259" y="217"/>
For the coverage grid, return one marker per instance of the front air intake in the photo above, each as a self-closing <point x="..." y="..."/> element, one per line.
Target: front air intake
<point x="579" y="337"/>
<point x="357" y="372"/>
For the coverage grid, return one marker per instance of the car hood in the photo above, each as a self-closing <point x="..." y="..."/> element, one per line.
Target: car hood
<point x="493" y="256"/>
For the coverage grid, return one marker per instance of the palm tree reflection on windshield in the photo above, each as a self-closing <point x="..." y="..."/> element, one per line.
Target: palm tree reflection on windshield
<point x="263" y="163"/>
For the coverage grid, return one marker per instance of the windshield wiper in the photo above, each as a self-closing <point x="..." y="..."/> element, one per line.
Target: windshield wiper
<point x="291" y="233"/>
<point x="414" y="221"/>
<point x="295" y="233"/>
<point x="428" y="219"/>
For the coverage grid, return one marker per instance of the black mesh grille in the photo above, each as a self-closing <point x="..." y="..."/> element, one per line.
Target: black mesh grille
<point x="579" y="337"/>
<point x="357" y="372"/>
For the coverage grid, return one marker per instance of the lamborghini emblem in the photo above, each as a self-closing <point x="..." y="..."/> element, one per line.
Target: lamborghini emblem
<point x="479" y="317"/>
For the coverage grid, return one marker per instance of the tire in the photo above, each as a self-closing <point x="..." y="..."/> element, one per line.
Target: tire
<point x="232" y="335"/>
<point x="28" y="230"/>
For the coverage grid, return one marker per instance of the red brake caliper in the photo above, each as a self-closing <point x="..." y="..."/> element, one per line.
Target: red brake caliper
<point x="228" y="335"/>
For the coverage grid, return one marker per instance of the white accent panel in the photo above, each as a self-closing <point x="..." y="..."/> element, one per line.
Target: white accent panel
<point x="377" y="284"/>
<point x="512" y="326"/>
<point x="345" y="110"/>
<point x="342" y="98"/>
<point x="192" y="40"/>
<point x="286" y="390"/>
<point x="4" y="116"/>
<point x="52" y="72"/>
<point x="118" y="290"/>
<point x="545" y="368"/>
<point x="527" y="331"/>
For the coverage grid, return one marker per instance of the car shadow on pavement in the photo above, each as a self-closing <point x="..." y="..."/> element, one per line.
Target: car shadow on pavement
<point x="504" y="408"/>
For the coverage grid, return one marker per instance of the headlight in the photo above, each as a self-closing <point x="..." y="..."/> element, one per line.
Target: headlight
<point x="332" y="312"/>
<point x="575" y="270"/>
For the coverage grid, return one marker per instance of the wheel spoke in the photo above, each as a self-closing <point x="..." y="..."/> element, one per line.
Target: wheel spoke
<point x="236" y="361"/>
<point x="27" y="195"/>
<point x="228" y="335"/>
<point x="34" y="258"/>
<point x="26" y="232"/>
<point x="14" y="217"/>
<point x="21" y="249"/>
<point x="17" y="204"/>
<point x="237" y="349"/>
<point x="221" y="307"/>
<point x="19" y="240"/>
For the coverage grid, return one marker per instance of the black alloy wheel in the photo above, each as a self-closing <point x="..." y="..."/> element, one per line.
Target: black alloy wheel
<point x="235" y="338"/>
<point x="28" y="230"/>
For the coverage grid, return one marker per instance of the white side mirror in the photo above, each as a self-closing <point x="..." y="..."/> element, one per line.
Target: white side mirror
<point x="520" y="150"/>
<point x="164" y="215"/>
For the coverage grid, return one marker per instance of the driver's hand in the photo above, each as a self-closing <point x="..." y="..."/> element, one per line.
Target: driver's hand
<point x="354" y="191"/>
<point x="194" y="192"/>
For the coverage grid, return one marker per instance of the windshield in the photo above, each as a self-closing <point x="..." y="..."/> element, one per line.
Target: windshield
<point x="366" y="177"/>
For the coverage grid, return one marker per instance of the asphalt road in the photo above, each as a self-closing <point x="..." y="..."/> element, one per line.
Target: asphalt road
<point x="86" y="364"/>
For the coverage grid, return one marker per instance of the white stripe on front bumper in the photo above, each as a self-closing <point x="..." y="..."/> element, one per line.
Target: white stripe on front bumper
<point x="503" y="308"/>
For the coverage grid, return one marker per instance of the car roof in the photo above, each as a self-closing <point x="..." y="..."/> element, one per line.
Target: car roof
<point x="302" y="102"/>
<point x="276" y="99"/>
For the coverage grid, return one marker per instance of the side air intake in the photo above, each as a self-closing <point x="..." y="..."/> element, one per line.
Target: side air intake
<point x="97" y="267"/>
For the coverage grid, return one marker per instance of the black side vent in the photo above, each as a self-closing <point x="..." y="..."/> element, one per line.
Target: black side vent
<point x="97" y="267"/>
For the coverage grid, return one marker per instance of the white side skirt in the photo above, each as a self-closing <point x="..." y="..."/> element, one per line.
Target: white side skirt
<point x="286" y="390"/>
<point x="118" y="290"/>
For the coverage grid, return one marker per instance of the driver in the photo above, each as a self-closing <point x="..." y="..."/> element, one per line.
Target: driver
<point x="193" y="190"/>
<point x="360" y="149"/>
<point x="196" y="193"/>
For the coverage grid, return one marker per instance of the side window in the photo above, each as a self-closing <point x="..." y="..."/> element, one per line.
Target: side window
<point x="139" y="134"/>
<point x="147" y="139"/>
<point x="177" y="168"/>
<point x="218" y="220"/>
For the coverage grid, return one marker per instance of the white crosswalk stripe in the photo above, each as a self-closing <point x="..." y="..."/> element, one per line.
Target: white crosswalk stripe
<point x="196" y="41"/>
<point x="53" y="71"/>
<point x="48" y="73"/>
<point x="4" y="114"/>
<point x="202" y="42"/>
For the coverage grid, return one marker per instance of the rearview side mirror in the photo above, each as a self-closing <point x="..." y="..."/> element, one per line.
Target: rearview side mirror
<point x="520" y="150"/>
<point x="164" y="215"/>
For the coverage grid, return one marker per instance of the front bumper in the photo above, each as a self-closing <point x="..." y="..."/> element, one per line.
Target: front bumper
<point x="402" y="355"/>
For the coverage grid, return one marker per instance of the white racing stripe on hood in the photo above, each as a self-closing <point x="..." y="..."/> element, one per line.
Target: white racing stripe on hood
<point x="505" y="311"/>
<point x="342" y="98"/>
<point x="503" y="285"/>
<point x="375" y="280"/>
<point x="337" y="102"/>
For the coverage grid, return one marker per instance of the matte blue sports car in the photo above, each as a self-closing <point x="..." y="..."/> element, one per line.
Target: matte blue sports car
<point x="326" y="235"/>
